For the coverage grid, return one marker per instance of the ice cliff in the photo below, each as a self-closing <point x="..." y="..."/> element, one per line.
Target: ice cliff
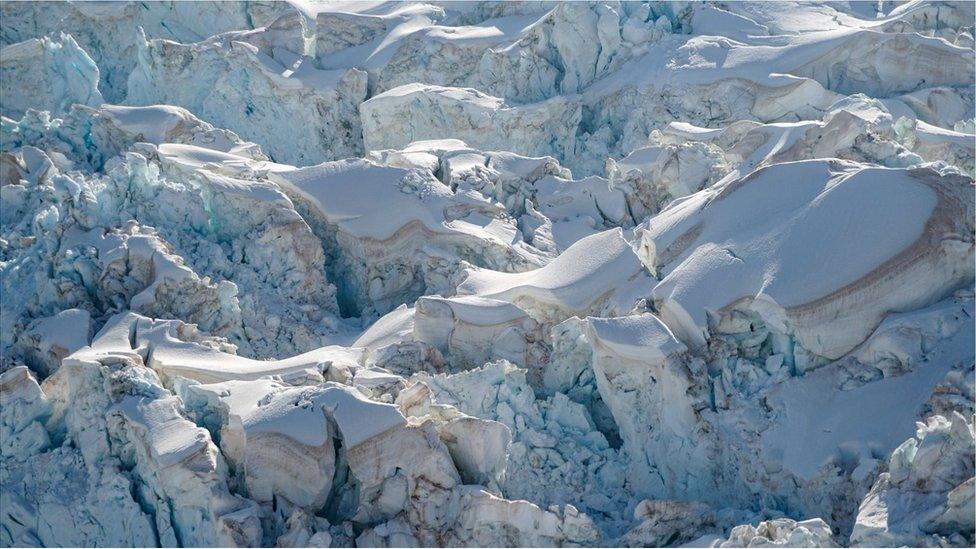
<point x="487" y="274"/>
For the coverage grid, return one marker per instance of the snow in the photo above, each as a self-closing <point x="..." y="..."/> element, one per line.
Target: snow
<point x="349" y="193"/>
<point x="713" y="255"/>
<point x="812" y="428"/>
<point x="597" y="269"/>
<point x="206" y="365"/>
<point x="637" y="337"/>
<point x="383" y="252"/>
<point x="153" y="123"/>
<point x="390" y="328"/>
<point x="480" y="311"/>
<point x="359" y="419"/>
<point x="172" y="438"/>
<point x="58" y="336"/>
<point x="389" y="274"/>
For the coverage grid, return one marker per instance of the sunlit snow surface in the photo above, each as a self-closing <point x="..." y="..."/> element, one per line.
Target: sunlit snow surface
<point x="445" y="274"/>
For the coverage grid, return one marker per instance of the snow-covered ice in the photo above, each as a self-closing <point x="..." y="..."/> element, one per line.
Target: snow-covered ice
<point x="455" y="274"/>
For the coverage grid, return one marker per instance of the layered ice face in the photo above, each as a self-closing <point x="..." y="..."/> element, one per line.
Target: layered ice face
<point x="487" y="274"/>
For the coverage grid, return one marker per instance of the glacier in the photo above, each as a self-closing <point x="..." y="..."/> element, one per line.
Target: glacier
<point x="309" y="273"/>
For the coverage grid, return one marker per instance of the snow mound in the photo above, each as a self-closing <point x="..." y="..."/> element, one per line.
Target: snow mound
<point x="597" y="274"/>
<point x="755" y="244"/>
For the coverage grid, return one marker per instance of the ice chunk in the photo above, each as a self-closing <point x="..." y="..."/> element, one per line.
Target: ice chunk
<point x="598" y="274"/>
<point x="24" y="409"/>
<point x="110" y="31"/>
<point x="666" y="522"/>
<point x="396" y="231"/>
<point x="279" y="437"/>
<point x="642" y="374"/>
<point x="49" y="340"/>
<point x="242" y="79"/>
<point x="211" y="183"/>
<point x="927" y="494"/>
<point x="781" y="533"/>
<point x="479" y="447"/>
<point x="137" y="424"/>
<point x="54" y="72"/>
<point x="486" y="520"/>
<point x="767" y="264"/>
<point x="91" y="136"/>
<point x="473" y="330"/>
<point x="415" y="112"/>
<point x="547" y="437"/>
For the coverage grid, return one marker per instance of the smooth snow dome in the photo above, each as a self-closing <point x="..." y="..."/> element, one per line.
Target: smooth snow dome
<point x="763" y="241"/>
<point x="777" y="228"/>
<point x="374" y="202"/>
<point x="597" y="273"/>
<point x="594" y="268"/>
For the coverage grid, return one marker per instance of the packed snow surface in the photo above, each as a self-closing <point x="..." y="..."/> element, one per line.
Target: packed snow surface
<point x="455" y="274"/>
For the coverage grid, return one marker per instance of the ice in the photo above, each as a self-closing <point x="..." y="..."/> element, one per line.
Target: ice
<point x="112" y="129"/>
<point x="173" y="358"/>
<point x="62" y="72"/>
<point x="281" y="437"/>
<point x="699" y="241"/>
<point x="24" y="408"/>
<point x="926" y="497"/>
<point x="390" y="255"/>
<point x="390" y="274"/>
<point x="269" y="97"/>
<point x="414" y="112"/>
<point x="487" y="520"/>
<point x="137" y="427"/>
<point x="677" y="523"/>
<point x="641" y="373"/>
<point x="47" y="341"/>
<point x="241" y="214"/>
<point x="110" y="31"/>
<point x="551" y="209"/>
<point x="597" y="274"/>
<point x="472" y="330"/>
<point x="547" y="435"/>
<point x="781" y="533"/>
